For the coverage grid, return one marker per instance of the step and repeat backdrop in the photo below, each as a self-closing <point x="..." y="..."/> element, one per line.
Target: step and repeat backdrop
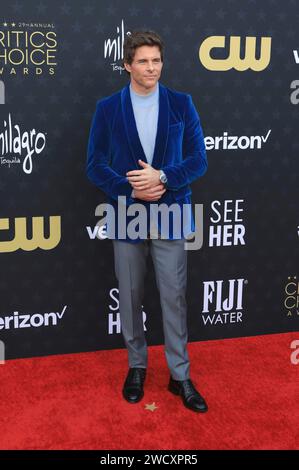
<point x="240" y="62"/>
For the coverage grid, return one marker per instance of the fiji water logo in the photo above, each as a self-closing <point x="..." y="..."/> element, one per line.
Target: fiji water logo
<point x="223" y="301"/>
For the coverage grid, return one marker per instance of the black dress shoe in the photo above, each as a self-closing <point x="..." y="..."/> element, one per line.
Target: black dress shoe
<point x="190" y="396"/>
<point x="133" y="386"/>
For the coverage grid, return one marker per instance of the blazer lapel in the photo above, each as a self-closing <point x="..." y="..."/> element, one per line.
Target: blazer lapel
<point x="162" y="129"/>
<point x="131" y="128"/>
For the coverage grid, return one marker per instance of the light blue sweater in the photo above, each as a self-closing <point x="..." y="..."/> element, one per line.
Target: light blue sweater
<point x="146" y="110"/>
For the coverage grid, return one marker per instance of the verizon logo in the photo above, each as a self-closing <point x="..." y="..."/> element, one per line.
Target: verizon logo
<point x="30" y="320"/>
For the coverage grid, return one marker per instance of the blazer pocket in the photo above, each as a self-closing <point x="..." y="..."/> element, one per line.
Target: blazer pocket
<point x="183" y="192"/>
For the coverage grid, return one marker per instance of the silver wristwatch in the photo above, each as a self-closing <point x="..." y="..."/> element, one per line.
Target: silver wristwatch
<point x="163" y="177"/>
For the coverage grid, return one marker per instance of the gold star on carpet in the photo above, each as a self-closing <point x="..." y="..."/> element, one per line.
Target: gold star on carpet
<point x="151" y="407"/>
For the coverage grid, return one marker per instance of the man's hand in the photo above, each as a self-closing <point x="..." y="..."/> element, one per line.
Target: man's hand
<point x="146" y="178"/>
<point x="152" y="194"/>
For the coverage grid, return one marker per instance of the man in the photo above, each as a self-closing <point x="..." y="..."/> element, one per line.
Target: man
<point x="146" y="145"/>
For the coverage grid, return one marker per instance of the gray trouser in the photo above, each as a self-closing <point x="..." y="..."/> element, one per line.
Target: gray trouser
<point x="170" y="263"/>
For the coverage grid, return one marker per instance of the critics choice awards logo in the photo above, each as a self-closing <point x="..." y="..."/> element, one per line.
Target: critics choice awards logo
<point x="27" y="48"/>
<point x="291" y="299"/>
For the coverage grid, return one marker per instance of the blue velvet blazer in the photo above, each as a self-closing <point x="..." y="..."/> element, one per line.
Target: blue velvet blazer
<point x="114" y="148"/>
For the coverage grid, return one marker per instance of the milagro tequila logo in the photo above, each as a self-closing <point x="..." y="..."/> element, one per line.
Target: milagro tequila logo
<point x="19" y="147"/>
<point x="114" y="48"/>
<point x="223" y="301"/>
<point x="294" y="97"/>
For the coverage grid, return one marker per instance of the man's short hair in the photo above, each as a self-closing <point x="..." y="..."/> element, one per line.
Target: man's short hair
<point x="141" y="38"/>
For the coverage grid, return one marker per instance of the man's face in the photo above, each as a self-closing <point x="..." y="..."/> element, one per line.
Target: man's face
<point x="146" y="68"/>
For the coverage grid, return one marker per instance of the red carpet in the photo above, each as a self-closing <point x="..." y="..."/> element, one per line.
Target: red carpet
<point x="74" y="401"/>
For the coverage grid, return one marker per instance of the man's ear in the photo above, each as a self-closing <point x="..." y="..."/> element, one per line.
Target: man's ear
<point x="127" y="67"/>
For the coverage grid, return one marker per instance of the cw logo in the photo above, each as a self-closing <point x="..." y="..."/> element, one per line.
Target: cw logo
<point x="233" y="60"/>
<point x="38" y="240"/>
